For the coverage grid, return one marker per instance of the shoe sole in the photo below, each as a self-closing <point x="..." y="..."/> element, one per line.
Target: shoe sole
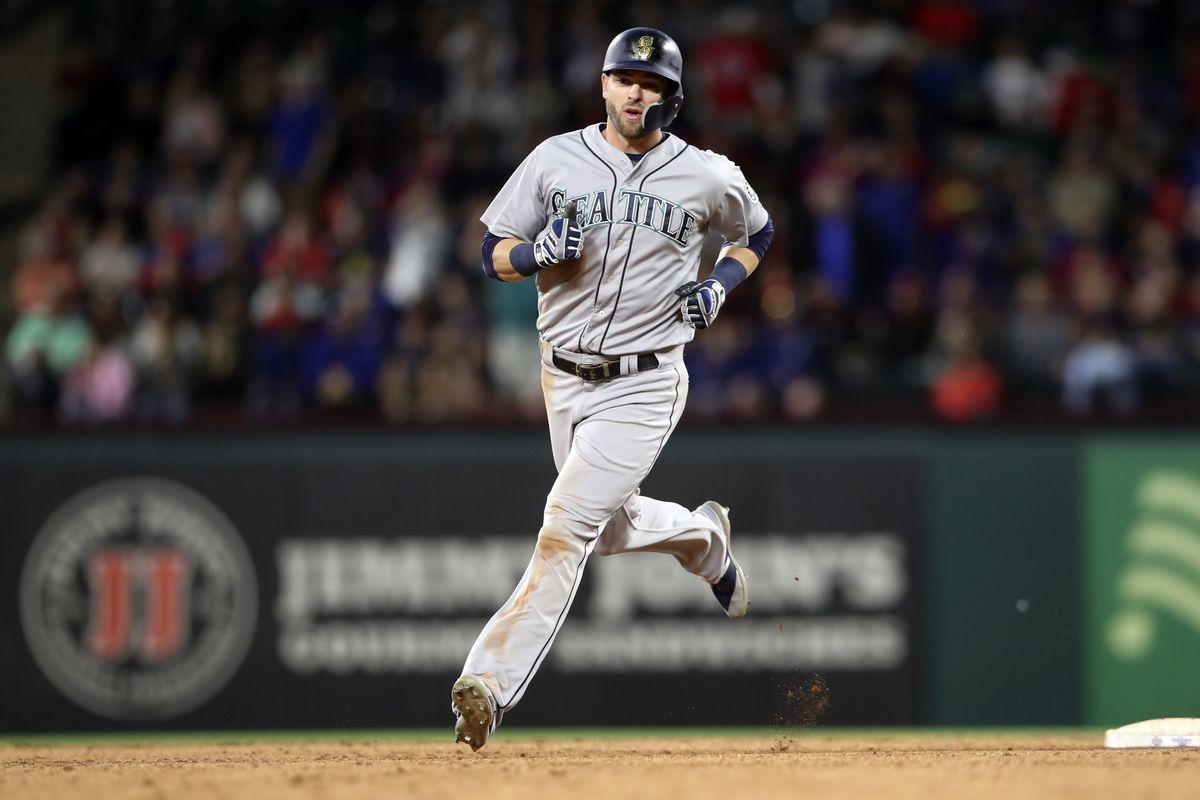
<point x="470" y="700"/>
<point x="739" y="604"/>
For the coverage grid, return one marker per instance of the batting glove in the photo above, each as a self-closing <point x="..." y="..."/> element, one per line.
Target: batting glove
<point x="700" y="302"/>
<point x="561" y="242"/>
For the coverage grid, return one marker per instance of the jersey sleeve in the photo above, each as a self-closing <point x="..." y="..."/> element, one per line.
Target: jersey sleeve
<point x="518" y="210"/>
<point x="739" y="213"/>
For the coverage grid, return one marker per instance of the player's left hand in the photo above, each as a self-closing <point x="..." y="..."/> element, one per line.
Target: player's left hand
<point x="700" y="302"/>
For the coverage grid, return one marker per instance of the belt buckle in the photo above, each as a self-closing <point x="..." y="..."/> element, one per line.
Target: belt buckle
<point x="592" y="372"/>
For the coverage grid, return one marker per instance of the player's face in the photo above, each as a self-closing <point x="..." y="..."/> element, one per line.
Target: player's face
<point x="627" y="95"/>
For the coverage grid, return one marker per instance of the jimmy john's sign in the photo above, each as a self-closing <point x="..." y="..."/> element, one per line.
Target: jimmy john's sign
<point x="234" y="585"/>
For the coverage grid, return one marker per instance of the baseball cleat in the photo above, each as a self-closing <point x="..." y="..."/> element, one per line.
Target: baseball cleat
<point x="476" y="711"/>
<point x="731" y="590"/>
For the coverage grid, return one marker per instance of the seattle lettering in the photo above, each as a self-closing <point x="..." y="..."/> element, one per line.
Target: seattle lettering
<point x="640" y="209"/>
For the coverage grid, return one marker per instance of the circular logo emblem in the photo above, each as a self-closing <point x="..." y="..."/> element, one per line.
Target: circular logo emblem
<point x="138" y="599"/>
<point x="644" y="48"/>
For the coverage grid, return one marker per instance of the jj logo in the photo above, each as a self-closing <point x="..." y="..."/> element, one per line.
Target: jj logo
<point x="139" y="604"/>
<point x="138" y="599"/>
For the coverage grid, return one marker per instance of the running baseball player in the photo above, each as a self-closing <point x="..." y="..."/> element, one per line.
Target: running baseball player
<point x="611" y="220"/>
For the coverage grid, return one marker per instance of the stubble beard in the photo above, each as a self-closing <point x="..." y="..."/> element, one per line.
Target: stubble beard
<point x="630" y="131"/>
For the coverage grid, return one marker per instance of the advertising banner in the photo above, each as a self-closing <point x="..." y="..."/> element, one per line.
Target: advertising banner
<point x="1142" y="543"/>
<point x="263" y="584"/>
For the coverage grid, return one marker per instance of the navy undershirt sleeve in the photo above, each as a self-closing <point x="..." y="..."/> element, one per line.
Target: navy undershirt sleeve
<point x="520" y="257"/>
<point x="490" y="240"/>
<point x="759" y="242"/>
<point x="729" y="272"/>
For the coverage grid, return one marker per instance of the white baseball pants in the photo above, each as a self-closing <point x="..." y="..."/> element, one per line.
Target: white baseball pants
<point x="606" y="436"/>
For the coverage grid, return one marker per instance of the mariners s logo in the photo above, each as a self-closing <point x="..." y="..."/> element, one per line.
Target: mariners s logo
<point x="643" y="48"/>
<point x="138" y="599"/>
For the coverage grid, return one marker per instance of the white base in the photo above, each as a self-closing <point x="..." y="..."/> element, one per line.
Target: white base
<point x="1171" y="732"/>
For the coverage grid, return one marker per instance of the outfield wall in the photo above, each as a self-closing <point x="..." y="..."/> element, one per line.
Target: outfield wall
<point x="318" y="580"/>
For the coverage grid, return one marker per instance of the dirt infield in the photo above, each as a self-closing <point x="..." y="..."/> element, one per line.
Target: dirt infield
<point x="1008" y="766"/>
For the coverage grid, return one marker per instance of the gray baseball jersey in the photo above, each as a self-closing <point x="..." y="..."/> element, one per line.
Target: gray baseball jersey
<point x="643" y="227"/>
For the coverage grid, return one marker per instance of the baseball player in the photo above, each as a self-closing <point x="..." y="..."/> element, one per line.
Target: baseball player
<point x="610" y="220"/>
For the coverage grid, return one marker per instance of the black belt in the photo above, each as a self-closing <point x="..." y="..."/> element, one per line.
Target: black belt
<point x="604" y="369"/>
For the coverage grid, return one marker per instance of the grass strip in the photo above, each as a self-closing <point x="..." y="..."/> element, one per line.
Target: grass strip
<point x="435" y="735"/>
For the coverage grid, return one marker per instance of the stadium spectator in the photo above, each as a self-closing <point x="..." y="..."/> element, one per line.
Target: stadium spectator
<point x="47" y="342"/>
<point x="166" y="349"/>
<point x="99" y="388"/>
<point x="110" y="264"/>
<point x="1036" y="334"/>
<point x="1100" y="369"/>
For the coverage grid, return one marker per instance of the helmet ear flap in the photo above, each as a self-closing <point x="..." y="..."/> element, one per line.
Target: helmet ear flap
<point x="662" y="113"/>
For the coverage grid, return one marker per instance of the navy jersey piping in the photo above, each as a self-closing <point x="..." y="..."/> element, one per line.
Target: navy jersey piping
<point x="608" y="240"/>
<point x="632" y="236"/>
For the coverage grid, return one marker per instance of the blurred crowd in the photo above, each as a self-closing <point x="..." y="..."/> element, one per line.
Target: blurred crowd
<point x="269" y="210"/>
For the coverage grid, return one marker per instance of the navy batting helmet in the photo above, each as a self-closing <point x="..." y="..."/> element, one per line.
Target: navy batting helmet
<point x="650" y="50"/>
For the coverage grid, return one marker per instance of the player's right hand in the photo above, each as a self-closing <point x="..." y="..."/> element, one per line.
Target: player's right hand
<point x="563" y="241"/>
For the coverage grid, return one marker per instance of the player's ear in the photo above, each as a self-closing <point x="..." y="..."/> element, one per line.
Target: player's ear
<point x="604" y="85"/>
